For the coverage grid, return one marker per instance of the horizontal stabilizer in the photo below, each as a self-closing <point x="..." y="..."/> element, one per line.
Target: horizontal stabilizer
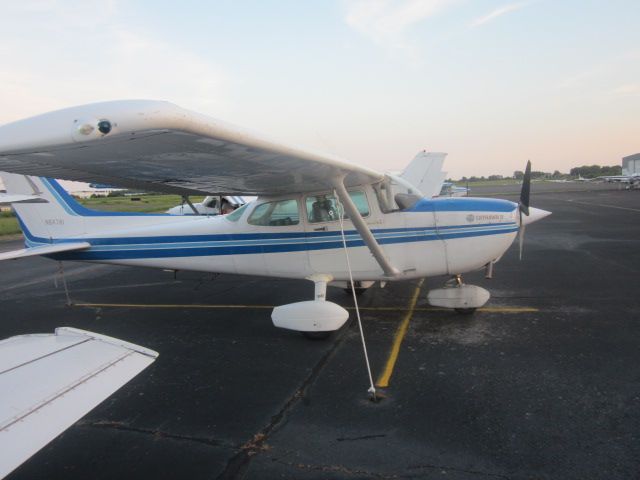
<point x="49" y="381"/>
<point x="6" y="198"/>
<point x="44" y="250"/>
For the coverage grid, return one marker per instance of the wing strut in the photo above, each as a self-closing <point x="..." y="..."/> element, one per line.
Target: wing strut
<point x="185" y="199"/>
<point x="363" y="229"/>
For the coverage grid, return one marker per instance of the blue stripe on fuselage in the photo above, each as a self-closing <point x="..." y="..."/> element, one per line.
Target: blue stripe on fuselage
<point x="463" y="205"/>
<point x="213" y="250"/>
<point x="265" y="242"/>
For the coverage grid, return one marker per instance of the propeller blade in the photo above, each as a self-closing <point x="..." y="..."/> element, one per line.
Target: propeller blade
<point x="523" y="205"/>
<point x="521" y="235"/>
<point x="525" y="193"/>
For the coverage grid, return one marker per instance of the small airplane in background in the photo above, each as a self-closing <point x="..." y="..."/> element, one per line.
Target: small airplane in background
<point x="211" y="205"/>
<point x="449" y="189"/>
<point x="633" y="179"/>
<point x="426" y="176"/>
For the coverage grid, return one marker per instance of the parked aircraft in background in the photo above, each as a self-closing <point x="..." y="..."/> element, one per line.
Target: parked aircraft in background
<point x="632" y="180"/>
<point x="424" y="174"/>
<point x="209" y="206"/>
<point x="449" y="189"/>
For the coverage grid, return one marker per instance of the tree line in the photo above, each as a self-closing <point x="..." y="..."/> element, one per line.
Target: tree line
<point x="585" y="171"/>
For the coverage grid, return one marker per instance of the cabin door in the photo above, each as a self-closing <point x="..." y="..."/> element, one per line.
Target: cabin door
<point x="324" y="239"/>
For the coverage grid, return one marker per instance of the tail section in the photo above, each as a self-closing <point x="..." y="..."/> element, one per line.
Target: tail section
<point x="52" y="217"/>
<point x="49" y="213"/>
<point x="425" y="173"/>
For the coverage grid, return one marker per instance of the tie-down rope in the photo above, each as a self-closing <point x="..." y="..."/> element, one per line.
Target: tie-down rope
<point x="372" y="388"/>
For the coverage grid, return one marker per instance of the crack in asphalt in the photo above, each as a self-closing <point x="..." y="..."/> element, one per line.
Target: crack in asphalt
<point x="238" y="464"/>
<point x="364" y="437"/>
<point x="156" y="433"/>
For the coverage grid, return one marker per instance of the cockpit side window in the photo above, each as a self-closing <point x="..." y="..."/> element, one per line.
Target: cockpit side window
<point x="275" y="214"/>
<point x="324" y="208"/>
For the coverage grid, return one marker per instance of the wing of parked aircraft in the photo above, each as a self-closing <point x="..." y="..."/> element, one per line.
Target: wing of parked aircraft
<point x="161" y="147"/>
<point x="5" y="198"/>
<point x="44" y="250"/>
<point x="49" y="381"/>
<point x="425" y="172"/>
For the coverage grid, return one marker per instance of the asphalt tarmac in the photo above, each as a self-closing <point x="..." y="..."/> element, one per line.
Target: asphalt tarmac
<point x="545" y="384"/>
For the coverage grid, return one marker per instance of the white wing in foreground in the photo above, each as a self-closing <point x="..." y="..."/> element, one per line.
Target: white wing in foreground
<point x="49" y="381"/>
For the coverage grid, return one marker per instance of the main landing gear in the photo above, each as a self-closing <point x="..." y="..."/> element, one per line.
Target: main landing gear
<point x="316" y="319"/>
<point x="360" y="287"/>
<point x="459" y="296"/>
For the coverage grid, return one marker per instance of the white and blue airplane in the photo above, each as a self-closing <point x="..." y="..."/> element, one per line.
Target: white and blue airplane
<point x="316" y="217"/>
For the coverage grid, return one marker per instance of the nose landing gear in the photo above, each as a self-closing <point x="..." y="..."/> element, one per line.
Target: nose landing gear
<point x="459" y="296"/>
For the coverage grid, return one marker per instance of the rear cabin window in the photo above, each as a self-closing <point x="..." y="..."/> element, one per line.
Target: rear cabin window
<point x="237" y="213"/>
<point x="324" y="208"/>
<point x="275" y="214"/>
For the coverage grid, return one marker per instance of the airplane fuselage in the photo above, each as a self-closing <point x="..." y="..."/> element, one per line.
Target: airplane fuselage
<point x="280" y="237"/>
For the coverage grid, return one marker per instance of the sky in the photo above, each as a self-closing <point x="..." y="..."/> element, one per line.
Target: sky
<point x="493" y="83"/>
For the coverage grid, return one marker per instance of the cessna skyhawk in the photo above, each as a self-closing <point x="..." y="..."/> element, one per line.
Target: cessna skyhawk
<point x="316" y="217"/>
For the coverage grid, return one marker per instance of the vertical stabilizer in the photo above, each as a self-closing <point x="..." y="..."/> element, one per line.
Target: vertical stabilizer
<point x="425" y="172"/>
<point x="54" y="218"/>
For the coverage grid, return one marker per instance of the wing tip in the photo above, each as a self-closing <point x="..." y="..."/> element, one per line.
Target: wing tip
<point x="107" y="339"/>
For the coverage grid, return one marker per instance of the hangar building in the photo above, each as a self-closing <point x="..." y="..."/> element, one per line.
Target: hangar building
<point x="631" y="165"/>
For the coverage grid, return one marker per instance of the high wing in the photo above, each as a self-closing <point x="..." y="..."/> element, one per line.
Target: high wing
<point x="48" y="382"/>
<point x="158" y="146"/>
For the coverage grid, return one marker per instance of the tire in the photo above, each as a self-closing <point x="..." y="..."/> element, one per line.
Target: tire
<point x="359" y="291"/>
<point x="465" y="311"/>
<point x="316" y="335"/>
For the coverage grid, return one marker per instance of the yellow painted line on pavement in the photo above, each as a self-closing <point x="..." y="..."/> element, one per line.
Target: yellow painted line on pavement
<point x="249" y="307"/>
<point x="166" y="305"/>
<point x="383" y="380"/>
<point x="441" y="309"/>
